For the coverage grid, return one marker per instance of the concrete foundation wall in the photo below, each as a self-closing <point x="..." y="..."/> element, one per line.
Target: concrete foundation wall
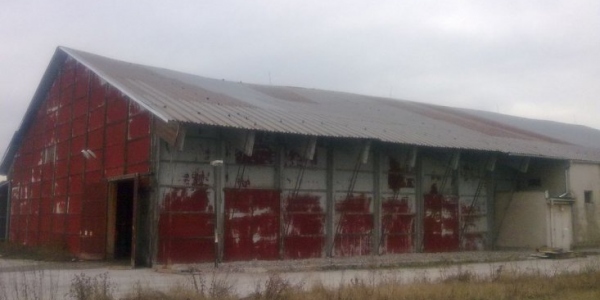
<point x="586" y="216"/>
<point x="521" y="219"/>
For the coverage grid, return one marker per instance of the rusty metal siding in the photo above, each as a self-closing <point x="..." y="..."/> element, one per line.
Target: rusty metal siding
<point x="59" y="195"/>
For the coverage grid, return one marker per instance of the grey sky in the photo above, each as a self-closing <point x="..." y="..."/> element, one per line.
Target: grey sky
<point x="538" y="59"/>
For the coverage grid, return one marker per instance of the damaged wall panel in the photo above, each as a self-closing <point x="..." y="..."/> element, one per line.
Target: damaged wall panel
<point x="251" y="224"/>
<point x="473" y="202"/>
<point x="187" y="200"/>
<point x="304" y="184"/>
<point x="398" y="206"/>
<point x="252" y="201"/>
<point x="441" y="231"/>
<point x="353" y="201"/>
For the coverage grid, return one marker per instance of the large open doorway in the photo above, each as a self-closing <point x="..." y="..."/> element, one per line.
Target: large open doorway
<point x="124" y="222"/>
<point x="123" y="231"/>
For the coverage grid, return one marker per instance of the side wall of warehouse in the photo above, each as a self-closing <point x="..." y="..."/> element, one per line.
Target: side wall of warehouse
<point x="84" y="133"/>
<point x="350" y="197"/>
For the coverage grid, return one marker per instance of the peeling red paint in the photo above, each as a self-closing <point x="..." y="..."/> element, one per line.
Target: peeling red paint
<point x="354" y="204"/>
<point x="251" y="224"/>
<point x="186" y="200"/>
<point x="304" y="227"/>
<point x="354" y="226"/>
<point x="441" y="224"/>
<point x="186" y="226"/>
<point x="65" y="190"/>
<point x="397" y="226"/>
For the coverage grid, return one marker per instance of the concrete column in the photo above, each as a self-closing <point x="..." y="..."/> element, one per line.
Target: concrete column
<point x="419" y="205"/>
<point x="330" y="226"/>
<point x="376" y="244"/>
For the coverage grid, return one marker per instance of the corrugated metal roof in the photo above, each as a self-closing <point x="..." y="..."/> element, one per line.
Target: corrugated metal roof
<point x="179" y="97"/>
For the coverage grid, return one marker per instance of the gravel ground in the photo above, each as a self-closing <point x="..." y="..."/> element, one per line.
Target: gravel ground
<point x="246" y="276"/>
<point x="408" y="260"/>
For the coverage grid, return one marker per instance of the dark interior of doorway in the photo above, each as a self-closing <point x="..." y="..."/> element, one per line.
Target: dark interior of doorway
<point x="124" y="219"/>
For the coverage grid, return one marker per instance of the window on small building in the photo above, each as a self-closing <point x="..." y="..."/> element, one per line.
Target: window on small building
<point x="588" y="197"/>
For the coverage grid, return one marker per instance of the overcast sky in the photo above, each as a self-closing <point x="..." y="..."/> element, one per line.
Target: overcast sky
<point x="538" y="59"/>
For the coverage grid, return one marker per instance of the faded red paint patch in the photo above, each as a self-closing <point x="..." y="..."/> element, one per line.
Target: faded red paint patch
<point x="251" y="224"/>
<point x="397" y="226"/>
<point x="354" y="226"/>
<point x="304" y="227"/>
<point x="441" y="224"/>
<point x="187" y="200"/>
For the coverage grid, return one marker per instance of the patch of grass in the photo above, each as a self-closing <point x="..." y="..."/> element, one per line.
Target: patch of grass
<point x="465" y="285"/>
<point x="460" y="284"/>
<point x="84" y="287"/>
<point x="48" y="252"/>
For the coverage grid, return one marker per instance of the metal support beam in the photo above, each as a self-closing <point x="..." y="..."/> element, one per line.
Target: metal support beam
<point x="279" y="184"/>
<point x="377" y="219"/>
<point x="330" y="234"/>
<point x="242" y="140"/>
<point x="419" y="204"/>
<point x="220" y="200"/>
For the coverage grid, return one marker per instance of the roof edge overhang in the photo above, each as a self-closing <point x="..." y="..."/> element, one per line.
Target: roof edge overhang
<point x="114" y="83"/>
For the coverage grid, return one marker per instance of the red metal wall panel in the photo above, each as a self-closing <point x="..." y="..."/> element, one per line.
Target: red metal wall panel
<point x="354" y="226"/>
<point x="441" y="230"/>
<point x="186" y="226"/>
<point x="397" y="225"/>
<point x="60" y="195"/>
<point x="304" y="227"/>
<point x="251" y="224"/>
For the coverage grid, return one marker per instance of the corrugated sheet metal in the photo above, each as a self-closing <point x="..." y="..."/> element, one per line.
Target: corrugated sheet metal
<point x="180" y="97"/>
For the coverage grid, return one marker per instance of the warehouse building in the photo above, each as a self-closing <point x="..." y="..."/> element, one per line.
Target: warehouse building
<point x="115" y="160"/>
